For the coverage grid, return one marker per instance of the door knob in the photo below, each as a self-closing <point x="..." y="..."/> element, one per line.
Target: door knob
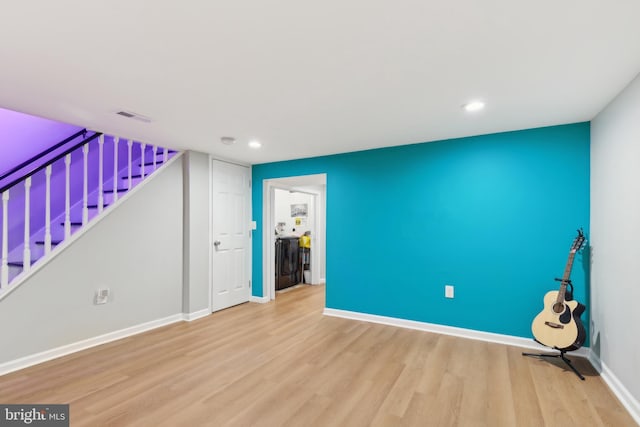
<point x="216" y="243"/>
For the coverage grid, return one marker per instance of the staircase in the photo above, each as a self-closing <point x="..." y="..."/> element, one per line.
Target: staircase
<point x="56" y="194"/>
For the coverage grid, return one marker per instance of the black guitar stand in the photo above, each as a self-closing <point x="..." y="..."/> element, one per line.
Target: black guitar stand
<point x="553" y="356"/>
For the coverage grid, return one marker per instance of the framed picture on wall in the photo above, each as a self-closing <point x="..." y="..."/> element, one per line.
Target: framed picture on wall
<point x="299" y="209"/>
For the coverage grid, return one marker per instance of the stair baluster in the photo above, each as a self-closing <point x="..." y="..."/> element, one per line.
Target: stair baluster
<point x="4" y="266"/>
<point x="115" y="168"/>
<point x="129" y="146"/>
<point x="85" y="184"/>
<point x="26" y="253"/>
<point x="154" y="150"/>
<point x="47" y="211"/>
<point x="143" y="146"/>
<point x="100" y="173"/>
<point x="67" y="196"/>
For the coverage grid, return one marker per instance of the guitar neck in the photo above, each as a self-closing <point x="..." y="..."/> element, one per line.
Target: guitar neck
<point x="565" y="276"/>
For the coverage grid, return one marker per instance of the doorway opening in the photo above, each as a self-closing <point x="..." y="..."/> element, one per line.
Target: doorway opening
<point x="293" y="207"/>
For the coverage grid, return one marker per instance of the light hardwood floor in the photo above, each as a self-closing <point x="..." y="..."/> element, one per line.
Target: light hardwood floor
<point x="284" y="364"/>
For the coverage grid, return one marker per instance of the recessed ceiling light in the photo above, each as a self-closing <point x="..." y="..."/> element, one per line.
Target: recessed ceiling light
<point x="228" y="140"/>
<point x="255" y="144"/>
<point x="473" y="106"/>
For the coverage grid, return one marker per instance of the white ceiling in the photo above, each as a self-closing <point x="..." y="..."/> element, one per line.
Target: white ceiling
<point x="313" y="78"/>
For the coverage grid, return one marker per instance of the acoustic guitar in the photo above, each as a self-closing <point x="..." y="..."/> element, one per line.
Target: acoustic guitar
<point x="558" y="325"/>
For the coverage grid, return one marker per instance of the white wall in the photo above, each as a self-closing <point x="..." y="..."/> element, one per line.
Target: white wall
<point x="615" y="240"/>
<point x="284" y="200"/>
<point x="136" y="251"/>
<point x="196" y="232"/>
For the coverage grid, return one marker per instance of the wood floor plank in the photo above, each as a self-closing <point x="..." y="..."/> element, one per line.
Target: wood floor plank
<point x="397" y="400"/>
<point x="285" y="364"/>
<point x="475" y="383"/>
<point x="525" y="401"/>
<point x="500" y="396"/>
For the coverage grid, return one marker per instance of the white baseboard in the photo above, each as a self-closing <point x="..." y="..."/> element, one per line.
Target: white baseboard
<point x="447" y="330"/>
<point x="631" y="404"/>
<point x="190" y="317"/>
<point x="259" y="300"/>
<point x="34" y="359"/>
<point x="323" y="281"/>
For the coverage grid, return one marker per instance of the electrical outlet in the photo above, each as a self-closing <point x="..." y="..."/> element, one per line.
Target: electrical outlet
<point x="448" y="291"/>
<point x="102" y="296"/>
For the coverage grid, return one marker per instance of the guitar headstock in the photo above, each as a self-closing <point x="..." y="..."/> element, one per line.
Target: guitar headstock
<point x="579" y="242"/>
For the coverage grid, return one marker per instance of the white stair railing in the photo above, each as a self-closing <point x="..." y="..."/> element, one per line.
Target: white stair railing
<point x="41" y="231"/>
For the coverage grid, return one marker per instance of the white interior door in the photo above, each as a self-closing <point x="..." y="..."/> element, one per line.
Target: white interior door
<point x="231" y="235"/>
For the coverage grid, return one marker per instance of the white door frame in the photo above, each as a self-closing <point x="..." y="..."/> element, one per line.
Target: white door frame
<point x="211" y="236"/>
<point x="269" y="239"/>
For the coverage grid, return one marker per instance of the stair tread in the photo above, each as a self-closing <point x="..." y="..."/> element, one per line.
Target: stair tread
<point x="73" y="223"/>
<point x="53" y="242"/>
<point x="20" y="263"/>
<point x="95" y="206"/>
<point x="158" y="162"/>
<point x="120" y="190"/>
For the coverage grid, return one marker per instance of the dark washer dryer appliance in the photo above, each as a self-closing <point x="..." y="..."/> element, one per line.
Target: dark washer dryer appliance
<point x="287" y="273"/>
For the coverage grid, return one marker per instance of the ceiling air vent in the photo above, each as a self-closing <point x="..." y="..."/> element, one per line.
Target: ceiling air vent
<point x="134" y="116"/>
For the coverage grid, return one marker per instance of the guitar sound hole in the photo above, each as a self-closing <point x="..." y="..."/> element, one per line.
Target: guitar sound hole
<point x="558" y="307"/>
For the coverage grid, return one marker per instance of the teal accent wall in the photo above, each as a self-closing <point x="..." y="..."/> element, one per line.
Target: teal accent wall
<point x="493" y="215"/>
